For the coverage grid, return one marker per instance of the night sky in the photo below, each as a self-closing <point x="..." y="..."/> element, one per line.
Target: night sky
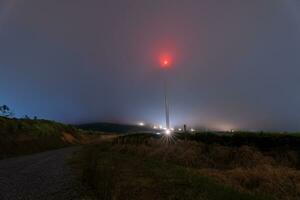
<point x="235" y="64"/>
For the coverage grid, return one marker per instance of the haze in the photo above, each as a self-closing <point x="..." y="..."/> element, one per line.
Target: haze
<point x="236" y="64"/>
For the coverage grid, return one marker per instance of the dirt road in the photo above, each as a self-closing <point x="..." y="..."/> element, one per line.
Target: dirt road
<point x="40" y="176"/>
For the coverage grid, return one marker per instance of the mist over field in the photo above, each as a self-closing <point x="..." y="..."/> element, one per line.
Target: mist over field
<point x="160" y="99"/>
<point x="235" y="63"/>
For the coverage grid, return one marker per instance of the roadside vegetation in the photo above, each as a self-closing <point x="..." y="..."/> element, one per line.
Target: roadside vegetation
<point x="26" y="136"/>
<point x="151" y="167"/>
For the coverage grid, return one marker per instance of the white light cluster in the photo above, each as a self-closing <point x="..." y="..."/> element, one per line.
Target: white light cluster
<point x="168" y="132"/>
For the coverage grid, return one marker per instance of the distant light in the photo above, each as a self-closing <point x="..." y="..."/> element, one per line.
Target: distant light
<point x="165" y="61"/>
<point x="172" y="129"/>
<point x="158" y="133"/>
<point x="168" y="132"/>
<point x="154" y="127"/>
<point x="160" y="126"/>
<point x="179" y="129"/>
<point x="192" y="130"/>
<point x="141" y="124"/>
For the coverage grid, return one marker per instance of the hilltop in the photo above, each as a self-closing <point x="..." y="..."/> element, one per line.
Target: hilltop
<point x="25" y="136"/>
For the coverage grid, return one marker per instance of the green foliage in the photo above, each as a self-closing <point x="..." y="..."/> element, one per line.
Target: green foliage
<point x="33" y="127"/>
<point x="24" y="136"/>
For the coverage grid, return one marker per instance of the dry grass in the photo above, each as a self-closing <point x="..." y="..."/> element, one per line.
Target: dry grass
<point x="199" y="155"/>
<point x="24" y="136"/>
<point x="244" y="168"/>
<point x="282" y="182"/>
<point x="107" y="172"/>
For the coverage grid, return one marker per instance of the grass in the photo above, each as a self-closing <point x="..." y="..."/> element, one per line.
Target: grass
<point x="245" y="168"/>
<point x="144" y="166"/>
<point x="135" y="168"/>
<point x="26" y="136"/>
<point x="262" y="141"/>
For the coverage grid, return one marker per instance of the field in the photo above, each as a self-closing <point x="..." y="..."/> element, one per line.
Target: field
<point x="207" y="166"/>
<point x="149" y="167"/>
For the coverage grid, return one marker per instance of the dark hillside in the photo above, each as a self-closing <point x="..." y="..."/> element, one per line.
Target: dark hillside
<point x="25" y="136"/>
<point x="114" y="128"/>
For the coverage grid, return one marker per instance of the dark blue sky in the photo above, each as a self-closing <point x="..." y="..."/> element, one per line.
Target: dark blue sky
<point x="236" y="63"/>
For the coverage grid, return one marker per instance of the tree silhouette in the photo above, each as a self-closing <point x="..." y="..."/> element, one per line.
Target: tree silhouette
<point x="5" y="111"/>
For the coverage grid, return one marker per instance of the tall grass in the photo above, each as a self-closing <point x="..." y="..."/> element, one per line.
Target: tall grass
<point x="245" y="168"/>
<point x="108" y="171"/>
<point x="131" y="164"/>
<point x="262" y="141"/>
<point x="25" y="136"/>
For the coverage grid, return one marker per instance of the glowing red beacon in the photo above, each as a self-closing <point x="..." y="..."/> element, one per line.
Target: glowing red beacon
<point x="165" y="62"/>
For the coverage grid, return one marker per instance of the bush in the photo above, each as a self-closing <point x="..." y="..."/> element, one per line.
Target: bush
<point x="24" y="136"/>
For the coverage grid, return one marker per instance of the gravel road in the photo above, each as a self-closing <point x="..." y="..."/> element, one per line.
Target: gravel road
<point x="40" y="176"/>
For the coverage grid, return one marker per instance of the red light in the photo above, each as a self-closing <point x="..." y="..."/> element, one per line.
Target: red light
<point x="165" y="61"/>
<point x="165" y="64"/>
